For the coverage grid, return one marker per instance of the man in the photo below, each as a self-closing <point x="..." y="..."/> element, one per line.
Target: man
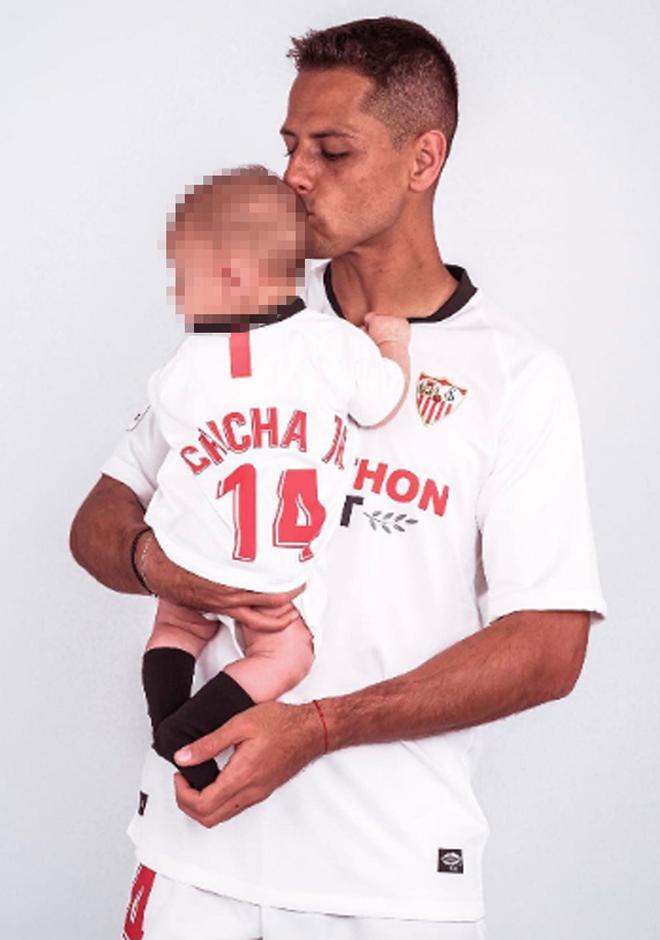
<point x="462" y="582"/>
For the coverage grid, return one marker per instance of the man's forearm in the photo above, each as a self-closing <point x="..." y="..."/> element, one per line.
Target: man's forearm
<point x="520" y="661"/>
<point x="102" y="535"/>
<point x="103" y="531"/>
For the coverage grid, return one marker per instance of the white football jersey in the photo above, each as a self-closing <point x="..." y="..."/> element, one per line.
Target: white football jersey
<point x="468" y="505"/>
<point x="256" y="424"/>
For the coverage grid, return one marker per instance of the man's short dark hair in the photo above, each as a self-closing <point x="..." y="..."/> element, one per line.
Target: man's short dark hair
<point x="415" y="77"/>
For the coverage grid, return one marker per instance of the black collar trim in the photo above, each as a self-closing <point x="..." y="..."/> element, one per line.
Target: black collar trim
<point x="464" y="292"/>
<point x="234" y="325"/>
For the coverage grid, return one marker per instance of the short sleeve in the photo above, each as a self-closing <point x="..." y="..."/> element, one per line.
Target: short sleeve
<point x="139" y="455"/>
<point x="533" y="512"/>
<point x="378" y="382"/>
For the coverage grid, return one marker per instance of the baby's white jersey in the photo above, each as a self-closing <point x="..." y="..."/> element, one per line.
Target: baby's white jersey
<point x="468" y="505"/>
<point x="256" y="423"/>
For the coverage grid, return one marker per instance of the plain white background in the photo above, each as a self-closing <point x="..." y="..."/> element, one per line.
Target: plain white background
<point x="550" y="199"/>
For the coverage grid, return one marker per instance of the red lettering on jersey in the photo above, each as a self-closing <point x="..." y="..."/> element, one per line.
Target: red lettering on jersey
<point x="259" y="427"/>
<point x="297" y="491"/>
<point x="188" y="452"/>
<point x="430" y="494"/>
<point x="215" y="431"/>
<point x="296" y="431"/>
<point x="410" y="488"/>
<point x="234" y="417"/>
<point x="215" y="451"/>
<point x="239" y="355"/>
<point x="402" y="486"/>
<point x="243" y="483"/>
<point x="142" y="885"/>
<point x="363" y="474"/>
<point x="339" y="456"/>
<point x="336" y="451"/>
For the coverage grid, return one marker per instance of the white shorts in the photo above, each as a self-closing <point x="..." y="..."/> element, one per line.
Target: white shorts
<point x="162" y="909"/>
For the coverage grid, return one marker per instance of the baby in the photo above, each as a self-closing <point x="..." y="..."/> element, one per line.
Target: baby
<point x="254" y="408"/>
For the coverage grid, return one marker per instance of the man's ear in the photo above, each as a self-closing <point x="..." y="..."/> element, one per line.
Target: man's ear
<point x="429" y="154"/>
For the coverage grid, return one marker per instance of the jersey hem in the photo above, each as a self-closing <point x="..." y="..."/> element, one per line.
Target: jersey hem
<point x="200" y="566"/>
<point x="511" y="603"/>
<point x="412" y="909"/>
<point x="124" y="473"/>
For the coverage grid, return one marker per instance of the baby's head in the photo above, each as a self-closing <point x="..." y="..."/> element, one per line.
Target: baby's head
<point x="237" y="246"/>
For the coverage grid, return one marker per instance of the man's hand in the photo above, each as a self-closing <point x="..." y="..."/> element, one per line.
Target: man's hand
<point x="269" y="612"/>
<point x="272" y="742"/>
<point x="102" y="534"/>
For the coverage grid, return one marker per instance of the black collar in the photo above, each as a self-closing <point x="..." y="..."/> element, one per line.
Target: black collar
<point x="464" y="291"/>
<point x="234" y="325"/>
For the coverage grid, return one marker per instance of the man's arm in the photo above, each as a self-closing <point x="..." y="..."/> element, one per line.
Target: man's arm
<point x="521" y="660"/>
<point x="102" y="533"/>
<point x="101" y="537"/>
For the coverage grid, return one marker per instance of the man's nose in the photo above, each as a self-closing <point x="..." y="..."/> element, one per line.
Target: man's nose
<point x="298" y="175"/>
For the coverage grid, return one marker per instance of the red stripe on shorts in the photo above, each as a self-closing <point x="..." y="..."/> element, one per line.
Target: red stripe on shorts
<point x="142" y="885"/>
<point x="239" y="353"/>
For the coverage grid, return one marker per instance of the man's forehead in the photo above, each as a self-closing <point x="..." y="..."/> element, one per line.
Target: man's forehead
<point x="327" y="103"/>
<point x="346" y="131"/>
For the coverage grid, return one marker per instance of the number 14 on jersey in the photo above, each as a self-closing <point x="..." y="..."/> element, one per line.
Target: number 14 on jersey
<point x="299" y="516"/>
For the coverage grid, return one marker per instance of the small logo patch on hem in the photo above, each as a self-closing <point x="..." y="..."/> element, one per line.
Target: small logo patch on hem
<point x="450" y="861"/>
<point x="142" y="803"/>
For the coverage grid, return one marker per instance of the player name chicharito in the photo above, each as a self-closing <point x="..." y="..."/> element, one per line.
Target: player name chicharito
<point x="237" y="432"/>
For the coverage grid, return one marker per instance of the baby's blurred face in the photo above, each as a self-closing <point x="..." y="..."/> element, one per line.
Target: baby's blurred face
<point x="221" y="280"/>
<point x="202" y="280"/>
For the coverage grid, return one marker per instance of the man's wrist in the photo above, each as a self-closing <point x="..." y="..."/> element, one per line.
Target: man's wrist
<point x="138" y="551"/>
<point x="316" y="729"/>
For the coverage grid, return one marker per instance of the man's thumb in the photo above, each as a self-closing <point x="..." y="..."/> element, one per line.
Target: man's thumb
<point x="210" y="745"/>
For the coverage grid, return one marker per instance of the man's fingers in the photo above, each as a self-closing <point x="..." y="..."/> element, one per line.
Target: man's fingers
<point x="260" y="619"/>
<point x="226" y="788"/>
<point x="235" y="597"/>
<point x="211" y="745"/>
<point x="168" y="580"/>
<point x="282" y="610"/>
<point x="200" y="806"/>
<point x="215" y="803"/>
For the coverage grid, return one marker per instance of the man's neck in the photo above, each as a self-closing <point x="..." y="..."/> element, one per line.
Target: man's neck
<point x="404" y="278"/>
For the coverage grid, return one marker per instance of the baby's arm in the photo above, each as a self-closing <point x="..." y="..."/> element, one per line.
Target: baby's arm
<point x="391" y="335"/>
<point x="182" y="628"/>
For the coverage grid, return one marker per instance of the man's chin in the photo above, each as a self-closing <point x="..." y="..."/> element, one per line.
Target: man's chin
<point x="319" y="248"/>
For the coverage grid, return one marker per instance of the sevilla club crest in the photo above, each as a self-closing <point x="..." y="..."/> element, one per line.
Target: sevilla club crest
<point x="437" y="398"/>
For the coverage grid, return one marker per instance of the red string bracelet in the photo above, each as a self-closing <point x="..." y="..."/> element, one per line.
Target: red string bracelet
<point x="325" y="727"/>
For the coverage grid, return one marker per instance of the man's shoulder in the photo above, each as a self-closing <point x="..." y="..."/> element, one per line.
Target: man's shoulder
<point x="512" y="343"/>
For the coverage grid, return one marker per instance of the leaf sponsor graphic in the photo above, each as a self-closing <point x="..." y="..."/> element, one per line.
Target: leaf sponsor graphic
<point x="389" y="521"/>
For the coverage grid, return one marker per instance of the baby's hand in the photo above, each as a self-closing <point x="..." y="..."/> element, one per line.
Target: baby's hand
<point x="385" y="329"/>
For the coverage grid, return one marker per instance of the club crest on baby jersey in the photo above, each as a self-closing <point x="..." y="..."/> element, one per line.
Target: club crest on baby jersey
<point x="437" y="398"/>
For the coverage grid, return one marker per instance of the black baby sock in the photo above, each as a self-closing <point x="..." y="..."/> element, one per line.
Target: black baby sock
<point x="167" y="676"/>
<point x="215" y="703"/>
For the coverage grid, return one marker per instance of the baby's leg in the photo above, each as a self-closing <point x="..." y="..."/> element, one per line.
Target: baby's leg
<point x="277" y="662"/>
<point x="178" y="637"/>
<point x="181" y="628"/>
<point x="274" y="662"/>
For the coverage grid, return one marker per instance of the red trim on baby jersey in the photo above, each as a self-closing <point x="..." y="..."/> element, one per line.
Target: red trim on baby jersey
<point x="142" y="885"/>
<point x="239" y="354"/>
